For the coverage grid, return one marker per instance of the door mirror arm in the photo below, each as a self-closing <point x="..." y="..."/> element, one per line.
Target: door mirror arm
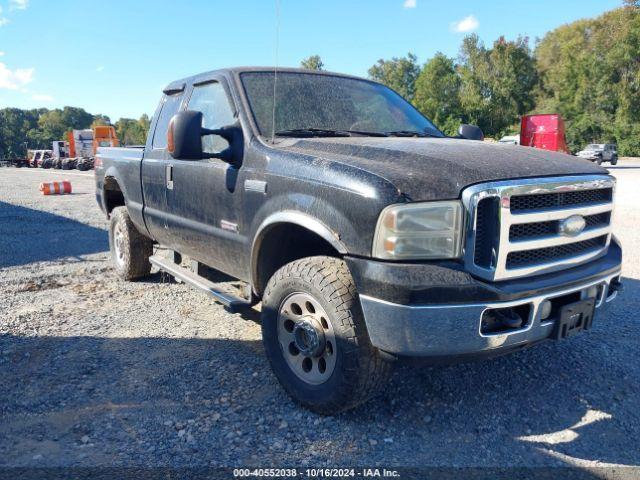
<point x="233" y="135"/>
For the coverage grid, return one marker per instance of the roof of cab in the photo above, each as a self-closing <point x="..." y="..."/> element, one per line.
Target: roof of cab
<point x="179" y="85"/>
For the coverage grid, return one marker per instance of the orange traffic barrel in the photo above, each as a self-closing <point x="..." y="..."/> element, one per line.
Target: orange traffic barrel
<point x="55" y="188"/>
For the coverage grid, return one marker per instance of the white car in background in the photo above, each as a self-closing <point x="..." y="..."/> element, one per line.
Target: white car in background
<point x="510" y="140"/>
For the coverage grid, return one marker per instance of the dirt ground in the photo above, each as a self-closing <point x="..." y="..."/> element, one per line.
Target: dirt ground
<point x="98" y="372"/>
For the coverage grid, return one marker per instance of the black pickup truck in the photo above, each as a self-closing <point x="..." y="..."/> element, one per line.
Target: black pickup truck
<point x="367" y="235"/>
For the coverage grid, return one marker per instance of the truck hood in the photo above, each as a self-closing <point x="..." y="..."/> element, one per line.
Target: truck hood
<point x="439" y="168"/>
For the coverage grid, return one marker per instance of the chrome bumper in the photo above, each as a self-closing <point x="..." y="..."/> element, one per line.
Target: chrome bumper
<point x="449" y="330"/>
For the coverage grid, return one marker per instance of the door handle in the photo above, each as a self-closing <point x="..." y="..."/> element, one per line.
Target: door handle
<point x="169" y="177"/>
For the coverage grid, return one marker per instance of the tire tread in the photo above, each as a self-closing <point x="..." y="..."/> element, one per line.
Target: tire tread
<point x="366" y="371"/>
<point x="138" y="247"/>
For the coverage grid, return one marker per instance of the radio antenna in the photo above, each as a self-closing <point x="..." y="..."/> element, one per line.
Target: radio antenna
<point x="275" y="73"/>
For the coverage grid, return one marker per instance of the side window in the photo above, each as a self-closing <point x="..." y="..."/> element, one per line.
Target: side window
<point x="170" y="106"/>
<point x="211" y="99"/>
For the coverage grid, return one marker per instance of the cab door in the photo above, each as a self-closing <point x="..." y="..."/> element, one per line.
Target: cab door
<point x="156" y="169"/>
<point x="205" y="202"/>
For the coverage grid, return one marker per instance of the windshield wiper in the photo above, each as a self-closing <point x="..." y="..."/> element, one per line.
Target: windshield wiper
<point x="312" y="132"/>
<point x="410" y="133"/>
<point x="327" y="132"/>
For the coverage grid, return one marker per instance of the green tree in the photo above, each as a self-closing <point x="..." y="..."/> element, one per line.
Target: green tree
<point x="590" y="74"/>
<point x="398" y="73"/>
<point x="76" y="118"/>
<point x="100" y="120"/>
<point x="132" y="132"/>
<point x="437" y="93"/>
<point x="314" y="62"/>
<point x="15" y="127"/>
<point x="52" y="125"/>
<point x="497" y="84"/>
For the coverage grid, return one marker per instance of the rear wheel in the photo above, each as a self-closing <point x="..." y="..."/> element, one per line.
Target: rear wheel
<point x="315" y="337"/>
<point x="130" y="250"/>
<point x="599" y="160"/>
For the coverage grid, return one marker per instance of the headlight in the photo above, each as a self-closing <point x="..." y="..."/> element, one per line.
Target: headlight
<point x="416" y="231"/>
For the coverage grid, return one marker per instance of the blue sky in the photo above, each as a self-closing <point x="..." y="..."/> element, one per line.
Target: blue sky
<point x="115" y="59"/>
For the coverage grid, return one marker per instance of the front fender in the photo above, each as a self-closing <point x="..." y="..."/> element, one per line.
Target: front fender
<point x="292" y="217"/>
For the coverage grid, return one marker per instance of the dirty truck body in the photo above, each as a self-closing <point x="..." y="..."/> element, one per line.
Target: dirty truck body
<point x="368" y="235"/>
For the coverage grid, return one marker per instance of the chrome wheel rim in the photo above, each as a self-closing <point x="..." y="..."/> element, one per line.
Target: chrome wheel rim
<point x="307" y="338"/>
<point x="118" y="243"/>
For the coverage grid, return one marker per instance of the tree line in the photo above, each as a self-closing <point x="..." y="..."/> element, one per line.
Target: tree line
<point x="588" y="71"/>
<point x="38" y="128"/>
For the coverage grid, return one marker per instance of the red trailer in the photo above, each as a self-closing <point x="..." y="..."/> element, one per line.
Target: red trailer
<point x="543" y="131"/>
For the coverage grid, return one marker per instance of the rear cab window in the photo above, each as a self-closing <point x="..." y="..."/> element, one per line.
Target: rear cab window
<point x="170" y="106"/>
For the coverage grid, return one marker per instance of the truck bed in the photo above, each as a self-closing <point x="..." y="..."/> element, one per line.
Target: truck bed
<point x="123" y="165"/>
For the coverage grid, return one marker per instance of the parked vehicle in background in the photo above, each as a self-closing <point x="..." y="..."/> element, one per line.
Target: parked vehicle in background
<point x="546" y="132"/>
<point x="80" y="148"/>
<point x="367" y="234"/>
<point x="37" y="158"/>
<point x="510" y="140"/>
<point x="600" y="152"/>
<point x="60" y="149"/>
<point x="104" y="136"/>
<point x="17" y="162"/>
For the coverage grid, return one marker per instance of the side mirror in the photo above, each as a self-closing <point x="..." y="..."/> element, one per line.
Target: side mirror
<point x="184" y="138"/>
<point x="470" y="132"/>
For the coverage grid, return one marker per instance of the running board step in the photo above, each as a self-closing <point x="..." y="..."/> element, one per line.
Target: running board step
<point x="230" y="301"/>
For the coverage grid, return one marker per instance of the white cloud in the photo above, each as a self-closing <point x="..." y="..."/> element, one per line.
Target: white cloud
<point x="15" y="79"/>
<point x="1" y="54"/>
<point x="410" y="3"/>
<point x="467" y="24"/>
<point x="3" y="20"/>
<point x="100" y="68"/>
<point x="18" y="4"/>
<point x="39" y="97"/>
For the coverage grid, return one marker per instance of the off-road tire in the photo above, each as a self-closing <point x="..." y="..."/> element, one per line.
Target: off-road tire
<point x="135" y="248"/>
<point x="614" y="160"/>
<point x="360" y="371"/>
<point x="599" y="160"/>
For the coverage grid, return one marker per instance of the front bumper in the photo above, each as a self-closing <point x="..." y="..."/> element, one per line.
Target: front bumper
<point x="446" y="322"/>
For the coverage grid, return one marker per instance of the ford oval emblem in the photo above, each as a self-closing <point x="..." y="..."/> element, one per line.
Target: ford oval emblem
<point x="572" y="226"/>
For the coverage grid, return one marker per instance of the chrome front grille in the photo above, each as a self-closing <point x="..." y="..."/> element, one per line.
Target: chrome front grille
<point x="562" y="199"/>
<point x="521" y="231"/>
<point x="515" y="228"/>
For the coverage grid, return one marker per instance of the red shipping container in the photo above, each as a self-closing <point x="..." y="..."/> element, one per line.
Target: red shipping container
<point x="543" y="131"/>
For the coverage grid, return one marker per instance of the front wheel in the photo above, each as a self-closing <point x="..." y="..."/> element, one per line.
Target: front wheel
<point x="315" y="337"/>
<point x="614" y="160"/>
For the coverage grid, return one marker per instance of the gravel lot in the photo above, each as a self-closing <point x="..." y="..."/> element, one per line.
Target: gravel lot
<point x="98" y="372"/>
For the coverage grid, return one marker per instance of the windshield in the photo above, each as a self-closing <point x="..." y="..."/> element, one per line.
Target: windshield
<point x="325" y="102"/>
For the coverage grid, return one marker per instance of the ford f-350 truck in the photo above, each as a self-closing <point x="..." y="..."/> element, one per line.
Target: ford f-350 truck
<point x="367" y="235"/>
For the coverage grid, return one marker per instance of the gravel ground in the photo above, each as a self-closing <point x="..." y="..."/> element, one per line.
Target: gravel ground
<point x="98" y="372"/>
